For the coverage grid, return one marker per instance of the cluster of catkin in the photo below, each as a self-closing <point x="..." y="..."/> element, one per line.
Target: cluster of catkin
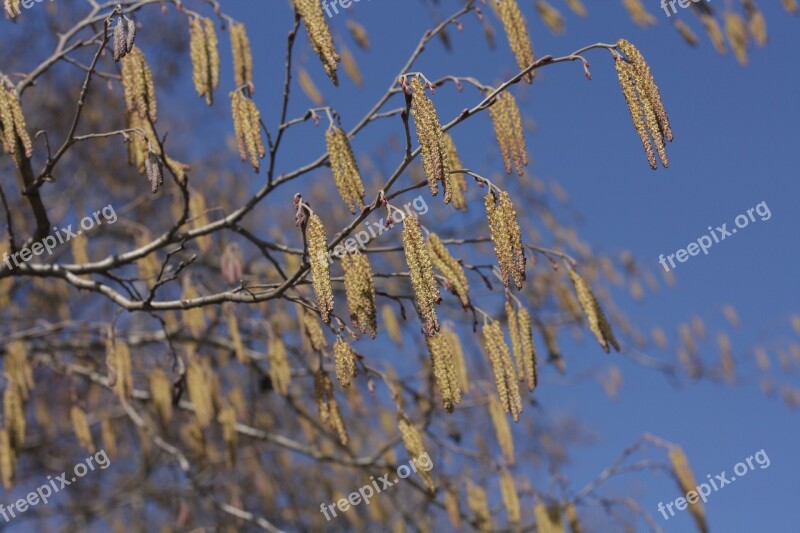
<point x="328" y="406"/>
<point x="412" y="438"/>
<point x="435" y="160"/>
<point x="508" y="130"/>
<point x="247" y="127"/>
<point x="204" y="52"/>
<point x="520" y="328"/>
<point x="598" y="323"/>
<point x="16" y="140"/>
<point x="320" y="35"/>
<point x="644" y="102"/>
<point x="360" y="291"/>
<point x="345" y="361"/>
<point x="344" y="168"/>
<point x="426" y="290"/>
<point x="242" y="56"/>
<point x="686" y="480"/>
<point x="124" y="37"/>
<point x="455" y="184"/>
<point x="455" y="278"/>
<point x="443" y="361"/>
<point x="137" y="82"/>
<point x="280" y="373"/>
<point x="320" y="267"/>
<point x="517" y="33"/>
<point x="506" y="237"/>
<point x="504" y="373"/>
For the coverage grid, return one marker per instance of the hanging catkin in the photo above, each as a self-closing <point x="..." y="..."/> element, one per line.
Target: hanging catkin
<point x="509" y="132"/>
<point x="431" y="139"/>
<point x="598" y="323"/>
<point x="360" y="291"/>
<point x="528" y="348"/>
<point x="328" y="406"/>
<point x="247" y="127"/>
<point x="508" y="491"/>
<point x="423" y="280"/>
<point x="161" y="393"/>
<point x="280" y="373"/>
<point x="502" y="430"/>
<point x="455" y="183"/>
<point x="456" y="279"/>
<point x="137" y="82"/>
<point x="506" y="237"/>
<point x="479" y="505"/>
<point x="242" y="57"/>
<point x="319" y="34"/>
<point x="320" y="267"/>
<point x="412" y="438"/>
<point x="517" y="33"/>
<point x="16" y="140"/>
<point x="686" y="481"/>
<point x="345" y="169"/>
<point x="345" y="362"/>
<point x="504" y="373"/>
<point x="444" y="370"/>
<point x="204" y="53"/>
<point x="80" y="426"/>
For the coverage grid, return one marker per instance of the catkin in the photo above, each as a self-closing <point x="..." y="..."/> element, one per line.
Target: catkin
<point x="137" y="82"/>
<point x="455" y="183"/>
<point x="247" y="127"/>
<point x="344" y="168"/>
<point x="423" y="280"/>
<point x="444" y="370"/>
<point x="351" y="67"/>
<point x="598" y="323"/>
<point x="18" y="368"/>
<point x="119" y="40"/>
<point x="736" y="30"/>
<point x="313" y="331"/>
<point x="577" y="7"/>
<point x="572" y="518"/>
<point x="358" y="33"/>
<point x="551" y="17"/>
<point x="328" y="406"/>
<point x="686" y="32"/>
<point x="121" y="356"/>
<point x="516" y="341"/>
<point x="199" y="387"/>
<point x="345" y="362"/>
<point x="108" y="437"/>
<point x="309" y="87"/>
<point x="360" y="291"/>
<point x="236" y="336"/>
<point x="161" y="393"/>
<point x="458" y="359"/>
<point x="627" y="83"/>
<point x="8" y="459"/>
<point x="508" y="130"/>
<point x="392" y="325"/>
<point x="242" y="56"/>
<point x="517" y="33"/>
<point x="451" y="506"/>
<point x="80" y="425"/>
<point x="12" y="122"/>
<point x="506" y="238"/>
<point x="548" y="520"/>
<point x="528" y="348"/>
<point x="431" y="139"/>
<point x="508" y="491"/>
<point x="14" y="415"/>
<point x="714" y="32"/>
<point x="502" y="430"/>
<point x="479" y="505"/>
<point x="412" y="439"/>
<point x="790" y="6"/>
<point x="451" y="269"/>
<point x="280" y="373"/>
<point x="204" y="53"/>
<point x="319" y="34"/>
<point x="686" y="480"/>
<point x="320" y="267"/>
<point x="504" y="373"/>
<point x="227" y="420"/>
<point x="639" y="14"/>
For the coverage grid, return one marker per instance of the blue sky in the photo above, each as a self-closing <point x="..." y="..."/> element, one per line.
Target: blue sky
<point x="735" y="137"/>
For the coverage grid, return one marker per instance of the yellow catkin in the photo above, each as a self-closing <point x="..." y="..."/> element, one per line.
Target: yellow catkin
<point x="444" y="370"/>
<point x="345" y="362"/>
<point x="686" y="32"/>
<point x="577" y="7"/>
<point x="430" y="136"/>
<point x="80" y="426"/>
<point x="458" y="359"/>
<point x="736" y="30"/>
<point x="313" y="330"/>
<point x="790" y="6"/>
<point x="507" y="121"/>
<point x="392" y="324"/>
<point x="120" y="354"/>
<point x="502" y="429"/>
<point x="197" y="382"/>
<point x="161" y="393"/>
<point x="198" y="53"/>
<point x="508" y="491"/>
<point x="516" y="341"/>
<point x="598" y="323"/>
<point x="455" y="183"/>
<point x="528" y="349"/>
<point x="726" y="357"/>
<point x="242" y="56"/>
<point x="503" y="368"/>
<point x="109" y="437"/>
<point x="236" y="336"/>
<point x="412" y="439"/>
<point x="247" y="128"/>
<point x="345" y="169"/>
<point x="452" y="507"/>
<point x="426" y="289"/>
<point x="309" y="87"/>
<point x="137" y="82"/>
<point x="280" y="373"/>
<point x="551" y="17"/>
<point x="360" y="291"/>
<point x="212" y="46"/>
<point x="320" y="267"/>
<point x="328" y="406"/>
<point x="17" y="366"/>
<point x="686" y="481"/>
<point x="639" y="13"/>
<point x="8" y="460"/>
<point x="714" y="32"/>
<point x="319" y="35"/>
<point x="14" y="415"/>
<point x="351" y="67"/>
<point x="517" y="33"/>
<point x="506" y="238"/>
<point x="227" y="420"/>
<point x="13" y="128"/>
<point x="627" y="82"/>
<point x="450" y="268"/>
<point x="548" y="519"/>
<point x="479" y="505"/>
<point x="572" y="518"/>
<point x="358" y="33"/>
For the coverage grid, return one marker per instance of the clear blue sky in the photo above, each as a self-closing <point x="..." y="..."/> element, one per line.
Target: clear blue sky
<point x="735" y="146"/>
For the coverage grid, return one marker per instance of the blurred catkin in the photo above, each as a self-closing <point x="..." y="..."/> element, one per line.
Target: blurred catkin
<point x="572" y="518"/>
<point x="508" y="491"/>
<point x="80" y="426"/>
<point x="137" y="82"/>
<point x="686" y="480"/>
<point x="598" y="323"/>
<point x="199" y="387"/>
<point x="435" y="159"/>
<point x="517" y="33"/>
<point x="686" y="32"/>
<point x="351" y="67"/>
<point x="345" y="362"/>
<point x="551" y="17"/>
<point x="359" y="34"/>
<point x="8" y="459"/>
<point x="455" y="183"/>
<point x="577" y="7"/>
<point x="280" y="374"/>
<point x="736" y="30"/>
<point x="14" y="415"/>
<point x="309" y="87"/>
<point x="392" y="324"/>
<point x="320" y="267"/>
<point x="426" y="289"/>
<point x="714" y="32"/>
<point x="412" y="438"/>
<point x="319" y="34"/>
<point x="161" y="392"/>
<point x="444" y="370"/>
<point x="242" y="56"/>
<point x="479" y="505"/>
<point x="506" y="238"/>
<point x="345" y="168"/>
<point x="503" y="368"/>
<point x="360" y="291"/>
<point x="313" y="331"/>
<point x="328" y="406"/>
<point x="639" y="13"/>
<point x="502" y="430"/>
<point x="508" y="130"/>
<point x="16" y="140"/>
<point x="451" y="269"/>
